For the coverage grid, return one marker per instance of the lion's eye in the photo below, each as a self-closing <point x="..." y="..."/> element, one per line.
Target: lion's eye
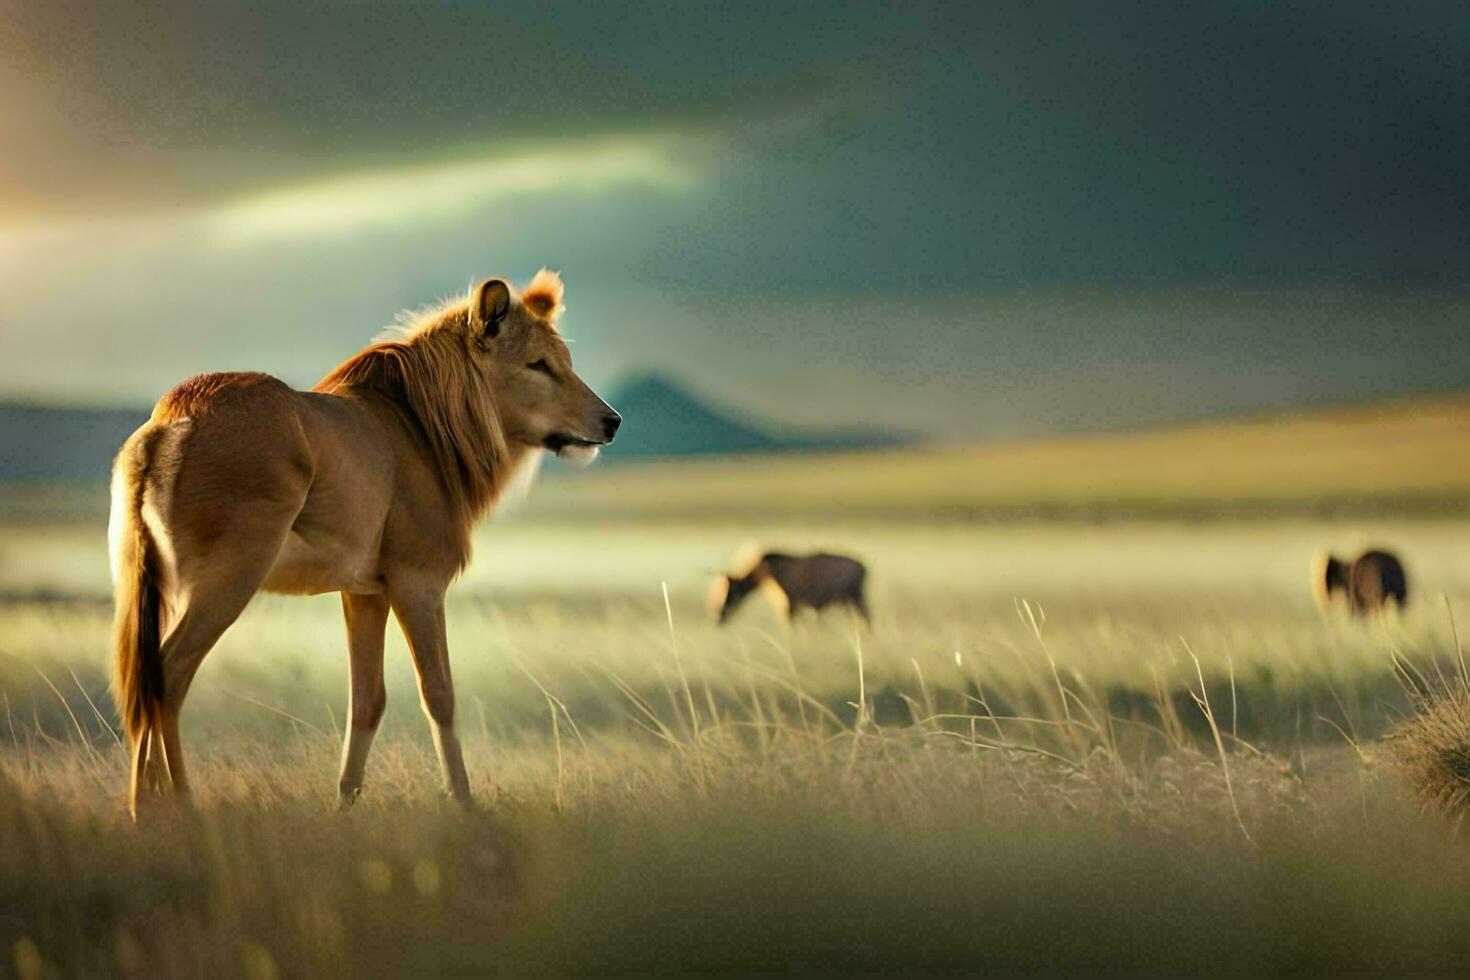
<point x="541" y="366"/>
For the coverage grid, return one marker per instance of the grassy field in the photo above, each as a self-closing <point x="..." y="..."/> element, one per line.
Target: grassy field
<point x="1394" y="457"/>
<point x="1098" y="725"/>
<point x="1016" y="767"/>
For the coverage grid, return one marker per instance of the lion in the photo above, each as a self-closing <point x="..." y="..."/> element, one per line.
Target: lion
<point x="368" y="485"/>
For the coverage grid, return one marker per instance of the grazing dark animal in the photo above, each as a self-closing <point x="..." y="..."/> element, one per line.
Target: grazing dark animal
<point x="793" y="582"/>
<point x="1376" y="579"/>
<point x="1329" y="578"/>
<point x="1368" y="584"/>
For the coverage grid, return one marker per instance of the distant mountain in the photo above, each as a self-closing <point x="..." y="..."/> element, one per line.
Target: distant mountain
<point x="662" y="418"/>
<point x="50" y="444"/>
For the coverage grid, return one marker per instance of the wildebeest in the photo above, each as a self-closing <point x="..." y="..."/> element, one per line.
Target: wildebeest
<point x="793" y="582"/>
<point x="368" y="485"/>
<point x="1368" y="583"/>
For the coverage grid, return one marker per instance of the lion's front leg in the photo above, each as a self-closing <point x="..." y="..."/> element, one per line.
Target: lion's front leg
<point x="421" y="614"/>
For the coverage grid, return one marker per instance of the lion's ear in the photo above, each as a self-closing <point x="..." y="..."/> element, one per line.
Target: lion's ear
<point x="489" y="303"/>
<point x="543" y="294"/>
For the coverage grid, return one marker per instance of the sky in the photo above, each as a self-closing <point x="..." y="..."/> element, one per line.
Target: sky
<point x="963" y="220"/>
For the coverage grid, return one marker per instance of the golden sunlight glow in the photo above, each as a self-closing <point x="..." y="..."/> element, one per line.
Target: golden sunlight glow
<point x="346" y="203"/>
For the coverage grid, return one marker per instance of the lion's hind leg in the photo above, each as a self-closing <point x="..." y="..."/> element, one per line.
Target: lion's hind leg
<point x="213" y="588"/>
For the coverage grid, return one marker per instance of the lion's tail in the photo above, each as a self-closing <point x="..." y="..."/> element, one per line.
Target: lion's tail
<point x="137" y="680"/>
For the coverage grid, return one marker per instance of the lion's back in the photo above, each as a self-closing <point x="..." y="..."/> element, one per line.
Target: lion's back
<point x="199" y="394"/>
<point x="215" y="439"/>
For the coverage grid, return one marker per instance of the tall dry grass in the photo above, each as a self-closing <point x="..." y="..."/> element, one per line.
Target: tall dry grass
<point x="1146" y="763"/>
<point x="1432" y="746"/>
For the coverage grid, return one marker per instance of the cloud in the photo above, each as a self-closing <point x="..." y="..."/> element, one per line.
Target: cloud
<point x="385" y="198"/>
<point x="122" y="109"/>
<point x="348" y="203"/>
<point x="287" y="280"/>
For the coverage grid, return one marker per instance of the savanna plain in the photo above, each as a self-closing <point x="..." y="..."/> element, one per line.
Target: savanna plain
<point x="1085" y="742"/>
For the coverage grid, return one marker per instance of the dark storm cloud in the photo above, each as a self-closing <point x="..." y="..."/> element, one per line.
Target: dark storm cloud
<point x="223" y="96"/>
<point x="1113" y="141"/>
<point x="952" y="142"/>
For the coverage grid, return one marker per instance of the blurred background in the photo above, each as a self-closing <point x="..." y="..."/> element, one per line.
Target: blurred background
<point x="782" y="226"/>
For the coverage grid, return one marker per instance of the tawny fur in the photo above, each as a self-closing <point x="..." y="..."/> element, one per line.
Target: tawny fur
<point x="451" y="403"/>
<point x="369" y="485"/>
<point x="543" y="294"/>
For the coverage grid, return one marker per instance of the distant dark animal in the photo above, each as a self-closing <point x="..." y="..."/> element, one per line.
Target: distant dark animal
<point x="1329" y="578"/>
<point x="1369" y="583"/>
<point x="1375" y="579"/>
<point x="793" y="582"/>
